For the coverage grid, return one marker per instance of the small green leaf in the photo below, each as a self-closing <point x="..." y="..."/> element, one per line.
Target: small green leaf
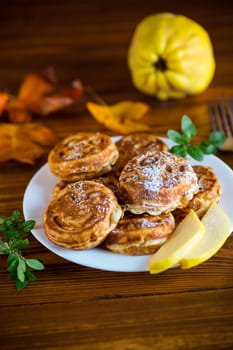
<point x="12" y="232"/>
<point x="3" y="227"/>
<point x="180" y="150"/>
<point x="35" y="264"/>
<point x="174" y="135"/>
<point x="188" y="127"/>
<point x="195" y="152"/>
<point x="21" y="284"/>
<point x="9" y="222"/>
<point x="2" y="220"/>
<point x="4" y="247"/>
<point x="27" y="226"/>
<point x="11" y="257"/>
<point x="217" y="138"/>
<point x="30" y="276"/>
<point x="19" y="244"/>
<point x="21" y="268"/>
<point x="12" y="262"/>
<point x="184" y="139"/>
<point x="15" y="215"/>
<point x="207" y="148"/>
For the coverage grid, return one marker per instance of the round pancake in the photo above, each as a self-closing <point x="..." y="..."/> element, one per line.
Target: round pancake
<point x="209" y="191"/>
<point x="111" y="181"/>
<point x="58" y="188"/>
<point x="134" y="144"/>
<point x="140" y="234"/>
<point x="83" y="156"/>
<point x="81" y="214"/>
<point x="157" y="182"/>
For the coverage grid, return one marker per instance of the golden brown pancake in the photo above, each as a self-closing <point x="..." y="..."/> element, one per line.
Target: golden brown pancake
<point x="81" y="214"/>
<point x="83" y="156"/>
<point x="111" y="181"/>
<point x="157" y="182"/>
<point x="209" y="192"/>
<point x="140" y="234"/>
<point x="59" y="187"/>
<point x="134" y="144"/>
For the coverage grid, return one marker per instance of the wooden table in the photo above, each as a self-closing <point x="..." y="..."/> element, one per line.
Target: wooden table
<point x="72" y="306"/>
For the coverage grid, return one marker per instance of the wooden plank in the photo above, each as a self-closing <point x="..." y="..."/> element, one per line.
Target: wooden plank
<point x="200" y="320"/>
<point x="78" y="283"/>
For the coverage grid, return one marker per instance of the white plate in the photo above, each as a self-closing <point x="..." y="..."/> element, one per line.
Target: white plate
<point x="38" y="194"/>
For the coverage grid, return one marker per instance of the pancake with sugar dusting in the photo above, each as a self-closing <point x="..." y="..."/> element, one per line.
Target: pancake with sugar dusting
<point x="81" y="215"/>
<point x="109" y="180"/>
<point x="83" y="156"/>
<point x="58" y="188"/>
<point x="209" y="191"/>
<point x="157" y="182"/>
<point x="134" y="144"/>
<point x="140" y="234"/>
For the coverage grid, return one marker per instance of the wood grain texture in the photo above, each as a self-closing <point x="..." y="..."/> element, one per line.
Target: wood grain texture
<point x="76" y="307"/>
<point x="181" y="321"/>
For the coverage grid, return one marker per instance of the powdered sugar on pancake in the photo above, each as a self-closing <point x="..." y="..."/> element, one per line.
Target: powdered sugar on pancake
<point x="157" y="182"/>
<point x="157" y="170"/>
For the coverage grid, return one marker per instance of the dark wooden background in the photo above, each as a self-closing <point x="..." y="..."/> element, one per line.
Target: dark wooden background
<point x="75" y="307"/>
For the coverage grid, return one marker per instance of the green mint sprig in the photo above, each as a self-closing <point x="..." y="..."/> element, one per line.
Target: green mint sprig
<point x="13" y="242"/>
<point x="183" y="141"/>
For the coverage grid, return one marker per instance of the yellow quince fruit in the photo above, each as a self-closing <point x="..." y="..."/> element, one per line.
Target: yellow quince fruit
<point x="170" y="56"/>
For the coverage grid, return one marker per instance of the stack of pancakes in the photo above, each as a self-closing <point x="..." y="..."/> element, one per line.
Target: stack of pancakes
<point x="127" y="196"/>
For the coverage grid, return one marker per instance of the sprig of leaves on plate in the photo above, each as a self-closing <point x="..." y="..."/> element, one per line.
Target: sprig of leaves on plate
<point x="184" y="146"/>
<point x="13" y="242"/>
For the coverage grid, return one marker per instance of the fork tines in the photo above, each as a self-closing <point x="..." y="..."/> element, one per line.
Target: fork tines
<point x="221" y="115"/>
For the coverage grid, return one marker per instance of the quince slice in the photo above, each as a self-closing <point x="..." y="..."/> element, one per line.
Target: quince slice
<point x="217" y="229"/>
<point x="186" y="235"/>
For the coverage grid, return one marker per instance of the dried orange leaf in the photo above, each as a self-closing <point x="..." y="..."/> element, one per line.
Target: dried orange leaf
<point x="63" y="99"/>
<point x="53" y="104"/>
<point x="75" y="92"/>
<point x="23" y="142"/>
<point x="40" y="134"/>
<point x="18" y="112"/>
<point x="38" y="95"/>
<point x="123" y="117"/>
<point x="35" y="86"/>
<point x="33" y="89"/>
<point x="4" y="97"/>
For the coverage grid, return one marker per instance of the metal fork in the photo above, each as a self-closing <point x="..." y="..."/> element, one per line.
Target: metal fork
<point x="221" y="118"/>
